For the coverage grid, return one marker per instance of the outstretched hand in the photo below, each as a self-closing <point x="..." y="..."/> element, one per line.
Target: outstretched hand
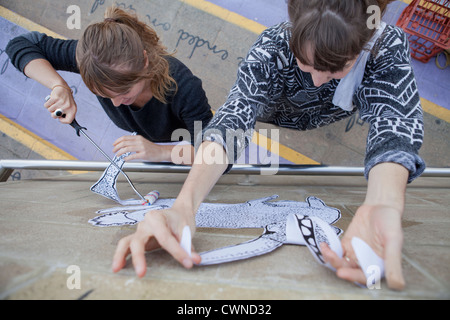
<point x="159" y="229"/>
<point x="380" y="227"/>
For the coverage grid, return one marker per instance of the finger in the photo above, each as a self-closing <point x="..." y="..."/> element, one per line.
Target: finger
<point x="68" y="119"/>
<point x="352" y="275"/>
<point x="134" y="156"/>
<point x="393" y="265"/>
<point x="171" y="244"/>
<point x="137" y="247"/>
<point x="332" y="258"/>
<point x="122" y="251"/>
<point x="123" y="139"/>
<point x="123" y="150"/>
<point x="196" y="258"/>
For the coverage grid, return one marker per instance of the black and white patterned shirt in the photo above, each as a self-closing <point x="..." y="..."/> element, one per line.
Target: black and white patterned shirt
<point x="271" y="88"/>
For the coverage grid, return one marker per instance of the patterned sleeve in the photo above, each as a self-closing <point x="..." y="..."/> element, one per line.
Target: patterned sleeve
<point x="389" y="101"/>
<point x="233" y="124"/>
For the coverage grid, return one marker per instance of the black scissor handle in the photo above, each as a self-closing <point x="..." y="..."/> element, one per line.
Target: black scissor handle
<point x="77" y="127"/>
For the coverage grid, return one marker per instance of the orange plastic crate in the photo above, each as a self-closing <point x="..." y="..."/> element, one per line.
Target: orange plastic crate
<point x="427" y="23"/>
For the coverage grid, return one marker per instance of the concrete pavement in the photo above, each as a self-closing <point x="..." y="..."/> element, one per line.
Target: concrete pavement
<point x="45" y="230"/>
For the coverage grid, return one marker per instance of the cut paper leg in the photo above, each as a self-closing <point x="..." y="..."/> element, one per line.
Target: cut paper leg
<point x="106" y="186"/>
<point x="249" y="249"/>
<point x="119" y="218"/>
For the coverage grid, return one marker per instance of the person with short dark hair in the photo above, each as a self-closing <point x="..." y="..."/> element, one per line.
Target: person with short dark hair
<point x="322" y="66"/>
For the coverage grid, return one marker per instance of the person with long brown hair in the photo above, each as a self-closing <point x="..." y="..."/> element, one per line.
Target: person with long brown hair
<point x="141" y="87"/>
<point x="323" y="66"/>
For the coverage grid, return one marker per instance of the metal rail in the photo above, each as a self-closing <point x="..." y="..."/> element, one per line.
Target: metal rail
<point x="8" y="166"/>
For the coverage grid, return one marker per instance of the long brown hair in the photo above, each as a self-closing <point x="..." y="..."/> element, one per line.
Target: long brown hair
<point x="335" y="30"/>
<point x="110" y="55"/>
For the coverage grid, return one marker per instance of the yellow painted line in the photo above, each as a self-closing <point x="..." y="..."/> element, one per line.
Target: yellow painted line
<point x="435" y="110"/>
<point x="27" y="138"/>
<point x="26" y="23"/>
<point x="226" y="15"/>
<point x="281" y="150"/>
<point x="32" y="141"/>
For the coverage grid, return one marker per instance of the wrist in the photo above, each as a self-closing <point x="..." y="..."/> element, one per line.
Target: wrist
<point x="387" y="186"/>
<point x="185" y="206"/>
<point x="62" y="85"/>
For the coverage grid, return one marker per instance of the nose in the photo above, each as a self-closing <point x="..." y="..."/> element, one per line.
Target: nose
<point x="117" y="101"/>
<point x="319" y="78"/>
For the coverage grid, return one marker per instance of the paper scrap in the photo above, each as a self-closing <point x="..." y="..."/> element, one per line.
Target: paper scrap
<point x="186" y="240"/>
<point x="371" y="264"/>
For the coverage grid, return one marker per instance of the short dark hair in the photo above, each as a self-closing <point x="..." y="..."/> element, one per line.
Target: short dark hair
<point x="336" y="31"/>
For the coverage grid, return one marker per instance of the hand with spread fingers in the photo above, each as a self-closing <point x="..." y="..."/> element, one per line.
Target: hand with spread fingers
<point x="380" y="227"/>
<point x="160" y="229"/>
<point x="378" y="223"/>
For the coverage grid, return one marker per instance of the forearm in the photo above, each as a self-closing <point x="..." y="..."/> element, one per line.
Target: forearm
<point x="387" y="186"/>
<point x="181" y="154"/>
<point x="209" y="165"/>
<point x="43" y="72"/>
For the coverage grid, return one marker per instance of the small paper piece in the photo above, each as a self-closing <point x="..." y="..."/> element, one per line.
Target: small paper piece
<point x="186" y="240"/>
<point x="371" y="264"/>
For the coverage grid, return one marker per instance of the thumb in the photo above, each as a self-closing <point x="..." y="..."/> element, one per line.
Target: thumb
<point x="393" y="264"/>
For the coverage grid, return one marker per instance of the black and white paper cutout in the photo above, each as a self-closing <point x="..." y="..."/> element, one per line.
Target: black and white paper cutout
<point x="315" y="231"/>
<point x="272" y="216"/>
<point x="284" y="222"/>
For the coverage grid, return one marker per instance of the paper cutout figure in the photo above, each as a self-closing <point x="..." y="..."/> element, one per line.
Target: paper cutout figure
<point x="315" y="231"/>
<point x="259" y="213"/>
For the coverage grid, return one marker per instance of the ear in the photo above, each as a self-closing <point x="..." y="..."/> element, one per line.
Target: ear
<point x="146" y="59"/>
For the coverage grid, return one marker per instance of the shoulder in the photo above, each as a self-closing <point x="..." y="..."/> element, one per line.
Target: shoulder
<point x="271" y="51"/>
<point x="393" y="45"/>
<point x="275" y="38"/>
<point x="178" y="70"/>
